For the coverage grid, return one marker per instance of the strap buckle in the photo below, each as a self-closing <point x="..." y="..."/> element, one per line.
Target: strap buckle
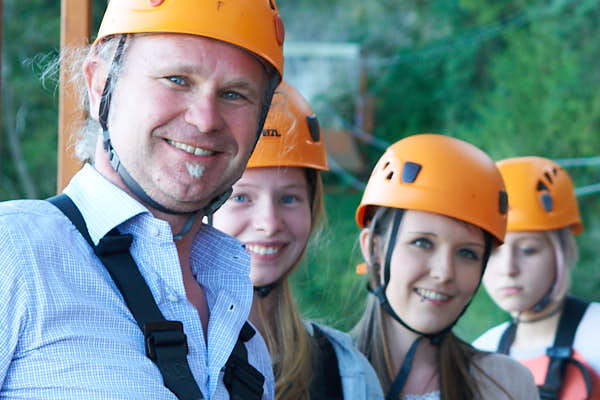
<point x="165" y="335"/>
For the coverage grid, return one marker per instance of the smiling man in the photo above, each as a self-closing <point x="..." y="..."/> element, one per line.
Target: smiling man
<point x="115" y="289"/>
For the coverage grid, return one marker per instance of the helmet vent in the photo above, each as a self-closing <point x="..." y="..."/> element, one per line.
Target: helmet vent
<point x="503" y="202"/>
<point x="313" y="127"/>
<point x="555" y="171"/>
<point x="389" y="176"/>
<point x="541" y="186"/>
<point x="547" y="175"/>
<point x="547" y="202"/>
<point x="272" y="4"/>
<point x="410" y="172"/>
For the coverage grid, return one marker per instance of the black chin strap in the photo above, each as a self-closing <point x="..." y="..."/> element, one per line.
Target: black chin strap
<point x="264" y="291"/>
<point x="379" y="292"/>
<point x="404" y="371"/>
<point x="115" y="161"/>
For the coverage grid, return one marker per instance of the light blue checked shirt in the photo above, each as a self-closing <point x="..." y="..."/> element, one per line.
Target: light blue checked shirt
<point x="65" y="331"/>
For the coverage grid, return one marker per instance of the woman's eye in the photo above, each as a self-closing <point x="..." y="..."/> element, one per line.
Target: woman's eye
<point x="178" y="80"/>
<point x="529" y="251"/>
<point x="469" y="254"/>
<point x="239" y="198"/>
<point x="289" y="199"/>
<point x="423" y="243"/>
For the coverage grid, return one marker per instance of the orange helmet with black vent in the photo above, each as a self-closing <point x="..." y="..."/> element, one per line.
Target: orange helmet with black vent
<point x="291" y="135"/>
<point x="541" y="193"/>
<point x="438" y="174"/>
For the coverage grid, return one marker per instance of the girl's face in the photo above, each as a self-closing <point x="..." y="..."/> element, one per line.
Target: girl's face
<point x="269" y="211"/>
<point x="520" y="271"/>
<point x="435" y="269"/>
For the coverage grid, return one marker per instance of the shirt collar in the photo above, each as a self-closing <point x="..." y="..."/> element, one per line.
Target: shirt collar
<point x="103" y="205"/>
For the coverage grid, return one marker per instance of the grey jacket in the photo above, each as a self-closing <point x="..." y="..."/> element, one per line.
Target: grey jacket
<point x="359" y="380"/>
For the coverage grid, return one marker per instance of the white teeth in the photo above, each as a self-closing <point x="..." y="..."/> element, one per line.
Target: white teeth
<point x="262" y="250"/>
<point x="430" y="294"/>
<point x="197" y="151"/>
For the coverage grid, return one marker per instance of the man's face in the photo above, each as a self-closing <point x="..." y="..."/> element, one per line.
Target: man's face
<point x="184" y="114"/>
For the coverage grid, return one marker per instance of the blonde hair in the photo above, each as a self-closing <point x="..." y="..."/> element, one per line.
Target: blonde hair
<point x="289" y="343"/>
<point x="454" y="357"/>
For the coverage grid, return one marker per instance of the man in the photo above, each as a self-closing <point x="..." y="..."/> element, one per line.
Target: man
<point x="180" y="89"/>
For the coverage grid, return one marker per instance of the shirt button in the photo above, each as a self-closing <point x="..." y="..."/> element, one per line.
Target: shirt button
<point x="154" y="231"/>
<point x="172" y="298"/>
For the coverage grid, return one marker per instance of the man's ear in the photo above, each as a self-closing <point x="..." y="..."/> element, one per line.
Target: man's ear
<point x="95" y="72"/>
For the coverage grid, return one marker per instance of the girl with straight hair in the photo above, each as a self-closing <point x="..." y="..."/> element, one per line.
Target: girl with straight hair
<point x="432" y="211"/>
<point x="274" y="208"/>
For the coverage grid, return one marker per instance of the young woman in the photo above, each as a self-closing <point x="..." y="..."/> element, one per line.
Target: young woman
<point x="432" y="211"/>
<point x="529" y="278"/>
<point x="273" y="209"/>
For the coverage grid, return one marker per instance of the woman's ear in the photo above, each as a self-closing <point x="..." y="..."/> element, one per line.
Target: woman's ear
<point x="94" y="70"/>
<point x="363" y="239"/>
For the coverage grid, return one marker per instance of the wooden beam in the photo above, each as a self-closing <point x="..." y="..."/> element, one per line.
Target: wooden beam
<point x="1" y="8"/>
<point x="75" y="29"/>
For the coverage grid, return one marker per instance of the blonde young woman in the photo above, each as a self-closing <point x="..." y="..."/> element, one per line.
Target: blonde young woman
<point x="529" y="277"/>
<point x="273" y="209"/>
<point x="432" y="211"/>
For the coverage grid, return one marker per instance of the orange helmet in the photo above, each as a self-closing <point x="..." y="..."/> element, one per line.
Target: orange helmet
<point x="541" y="195"/>
<point x="254" y="25"/>
<point x="291" y="135"/>
<point x="439" y="174"/>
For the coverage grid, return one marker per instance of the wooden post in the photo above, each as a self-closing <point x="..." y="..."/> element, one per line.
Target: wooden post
<point x="75" y="28"/>
<point x="1" y="7"/>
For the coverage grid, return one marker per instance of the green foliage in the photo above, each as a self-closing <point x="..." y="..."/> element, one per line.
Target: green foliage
<point x="513" y="78"/>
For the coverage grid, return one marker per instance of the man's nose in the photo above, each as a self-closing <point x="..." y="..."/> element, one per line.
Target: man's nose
<point x="204" y="112"/>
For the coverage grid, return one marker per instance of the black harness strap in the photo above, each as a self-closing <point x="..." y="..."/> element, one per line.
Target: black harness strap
<point x="562" y="350"/>
<point x="507" y="338"/>
<point x="165" y="342"/>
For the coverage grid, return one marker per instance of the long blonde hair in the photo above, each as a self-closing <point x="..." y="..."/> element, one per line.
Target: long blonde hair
<point x="455" y="356"/>
<point x="289" y="343"/>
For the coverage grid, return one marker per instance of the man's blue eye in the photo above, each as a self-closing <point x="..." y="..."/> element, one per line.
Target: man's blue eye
<point x="232" y="95"/>
<point x="178" y="80"/>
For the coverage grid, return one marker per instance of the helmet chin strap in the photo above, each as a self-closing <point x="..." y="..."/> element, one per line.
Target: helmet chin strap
<point x="116" y="164"/>
<point x="264" y="291"/>
<point x="436" y="337"/>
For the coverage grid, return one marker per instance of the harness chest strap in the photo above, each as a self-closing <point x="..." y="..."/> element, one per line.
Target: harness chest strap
<point x="561" y="351"/>
<point x="165" y="341"/>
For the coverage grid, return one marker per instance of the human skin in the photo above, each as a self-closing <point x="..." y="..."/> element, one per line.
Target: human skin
<point x="435" y="269"/>
<point x="184" y="114"/>
<point x="521" y="271"/>
<point x="269" y="211"/>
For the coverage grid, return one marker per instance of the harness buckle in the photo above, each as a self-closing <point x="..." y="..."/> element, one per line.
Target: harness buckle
<point x="163" y="336"/>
